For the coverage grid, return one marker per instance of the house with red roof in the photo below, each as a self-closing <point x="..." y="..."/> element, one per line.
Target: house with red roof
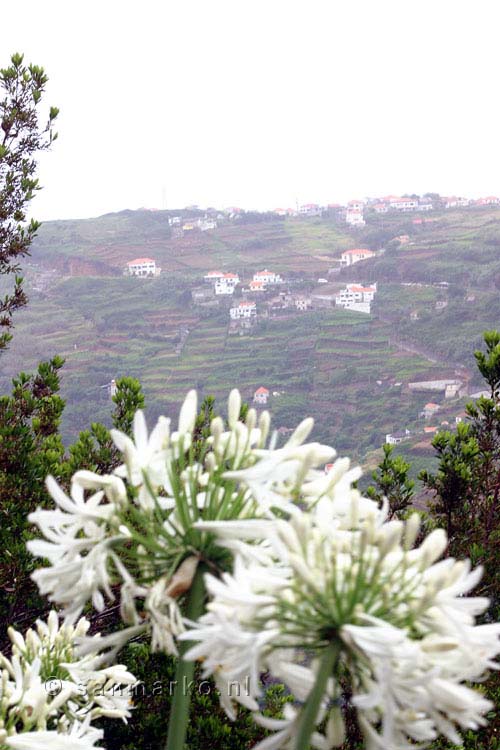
<point x="356" y="297"/>
<point x="226" y="283"/>
<point x="261" y="395"/>
<point x="429" y="410"/>
<point x="142" y="267"/>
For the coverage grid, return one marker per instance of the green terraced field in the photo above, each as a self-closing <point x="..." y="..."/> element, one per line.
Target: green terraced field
<point x="324" y="363"/>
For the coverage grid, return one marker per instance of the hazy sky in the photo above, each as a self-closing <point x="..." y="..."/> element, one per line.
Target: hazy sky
<point x="261" y="103"/>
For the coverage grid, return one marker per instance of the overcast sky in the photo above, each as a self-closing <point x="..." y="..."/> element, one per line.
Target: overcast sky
<point x="261" y="103"/>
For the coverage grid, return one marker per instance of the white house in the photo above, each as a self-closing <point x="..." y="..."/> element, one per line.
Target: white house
<point x="261" y="395"/>
<point x="226" y="283"/>
<point x="356" y="293"/>
<point x="243" y="310"/>
<point x="142" y="267"/>
<point x="267" y="277"/>
<point x="355" y="218"/>
<point x="403" y="204"/>
<point x="380" y="208"/>
<point x="349" y="257"/>
<point x="395" y="438"/>
<point x="356" y="297"/>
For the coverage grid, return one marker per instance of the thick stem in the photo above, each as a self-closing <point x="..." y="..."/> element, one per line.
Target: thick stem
<point x="184" y="673"/>
<point x="307" y="723"/>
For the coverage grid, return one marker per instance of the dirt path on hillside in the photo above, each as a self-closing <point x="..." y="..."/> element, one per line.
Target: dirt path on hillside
<point x="421" y="351"/>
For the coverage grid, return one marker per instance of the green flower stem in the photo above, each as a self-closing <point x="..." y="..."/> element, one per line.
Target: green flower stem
<point x="184" y="673"/>
<point x="307" y="723"/>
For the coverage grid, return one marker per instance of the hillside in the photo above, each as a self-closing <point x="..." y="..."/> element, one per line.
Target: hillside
<point x="349" y="370"/>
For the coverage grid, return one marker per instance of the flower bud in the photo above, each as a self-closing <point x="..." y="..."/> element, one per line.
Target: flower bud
<point x="412" y="528"/>
<point x="433" y="547"/>
<point x="300" y="433"/>
<point x="233" y="407"/>
<point x="187" y="414"/>
<point x="335" y="728"/>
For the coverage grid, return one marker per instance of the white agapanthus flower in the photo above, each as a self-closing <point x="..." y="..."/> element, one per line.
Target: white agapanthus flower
<point x="49" y="692"/>
<point x="346" y="605"/>
<point x="136" y="529"/>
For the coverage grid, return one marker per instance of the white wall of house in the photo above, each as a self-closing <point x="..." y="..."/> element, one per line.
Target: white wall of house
<point x="244" y="310"/>
<point x="142" y="268"/>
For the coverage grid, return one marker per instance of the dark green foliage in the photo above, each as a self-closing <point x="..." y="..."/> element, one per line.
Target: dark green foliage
<point x="392" y="481"/>
<point x="30" y="449"/>
<point x="209" y="726"/>
<point x="467" y="482"/>
<point x="21" y="138"/>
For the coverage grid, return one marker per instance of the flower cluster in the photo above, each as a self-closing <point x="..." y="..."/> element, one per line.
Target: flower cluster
<point x="50" y="693"/>
<point x="308" y="580"/>
<point x="345" y="610"/>
<point x="136" y="528"/>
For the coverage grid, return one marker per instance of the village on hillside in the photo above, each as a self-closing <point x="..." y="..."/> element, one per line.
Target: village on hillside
<point x="295" y="287"/>
<point x="353" y="213"/>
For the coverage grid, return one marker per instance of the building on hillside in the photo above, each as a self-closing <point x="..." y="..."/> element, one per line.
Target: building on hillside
<point x="256" y="286"/>
<point x="227" y="283"/>
<point x="174" y="221"/>
<point x="267" y="277"/>
<point x="212" y="276"/>
<point x="429" y="410"/>
<point x="355" y="218"/>
<point x="310" y="209"/>
<point x="355" y="293"/>
<point x="302" y="303"/>
<point x="189" y="226"/>
<point x="142" y="267"/>
<point x="491" y="200"/>
<point x="425" y="205"/>
<point x="349" y="257"/>
<point x="356" y="205"/>
<point x="243" y="310"/>
<point x="261" y="395"/>
<point x="380" y="208"/>
<point x="402" y="204"/>
<point x="456" y="202"/>
<point x="394" y="438"/>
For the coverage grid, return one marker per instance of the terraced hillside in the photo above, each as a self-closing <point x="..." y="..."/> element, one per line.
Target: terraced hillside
<point x="347" y="369"/>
